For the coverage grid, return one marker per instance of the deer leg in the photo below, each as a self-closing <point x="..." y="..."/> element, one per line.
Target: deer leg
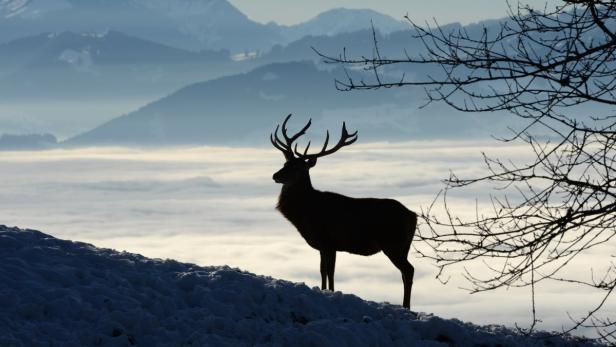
<point x="407" y="270"/>
<point x="323" y="270"/>
<point x="331" y="267"/>
<point x="407" y="276"/>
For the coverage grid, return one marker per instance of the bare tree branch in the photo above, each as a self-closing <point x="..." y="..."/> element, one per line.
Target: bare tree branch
<point x="556" y="70"/>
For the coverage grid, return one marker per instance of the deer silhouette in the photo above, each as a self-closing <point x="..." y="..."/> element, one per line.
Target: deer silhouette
<point x="331" y="222"/>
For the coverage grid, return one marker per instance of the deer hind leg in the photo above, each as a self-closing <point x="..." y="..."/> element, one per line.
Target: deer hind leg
<point x="398" y="257"/>
<point x="328" y="266"/>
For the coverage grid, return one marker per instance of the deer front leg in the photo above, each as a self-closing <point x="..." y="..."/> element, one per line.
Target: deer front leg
<point x="331" y="267"/>
<point x="328" y="265"/>
<point x="323" y="271"/>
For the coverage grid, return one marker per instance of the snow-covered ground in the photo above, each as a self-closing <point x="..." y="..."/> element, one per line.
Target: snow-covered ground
<point x="63" y="293"/>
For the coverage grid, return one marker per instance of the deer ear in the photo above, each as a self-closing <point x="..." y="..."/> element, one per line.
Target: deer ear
<point x="311" y="162"/>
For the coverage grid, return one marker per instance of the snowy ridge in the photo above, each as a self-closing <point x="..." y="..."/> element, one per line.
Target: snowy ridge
<point x="56" y="292"/>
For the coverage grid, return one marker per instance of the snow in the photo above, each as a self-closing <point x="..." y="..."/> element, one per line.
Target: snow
<point x="30" y="8"/>
<point x="96" y="35"/>
<point x="82" y="60"/>
<point x="12" y="7"/>
<point x="57" y="292"/>
<point x="244" y="56"/>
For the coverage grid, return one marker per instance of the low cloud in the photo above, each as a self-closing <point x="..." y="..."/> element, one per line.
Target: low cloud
<point x="215" y="205"/>
<point x="149" y="186"/>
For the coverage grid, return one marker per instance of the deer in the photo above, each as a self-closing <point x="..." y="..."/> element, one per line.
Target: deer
<point x="331" y="222"/>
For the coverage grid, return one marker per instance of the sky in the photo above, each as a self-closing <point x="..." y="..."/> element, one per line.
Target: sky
<point x="445" y="11"/>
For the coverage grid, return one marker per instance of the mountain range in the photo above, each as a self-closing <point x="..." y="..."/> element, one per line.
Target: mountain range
<point x="242" y="109"/>
<point x="234" y="109"/>
<point x="200" y="89"/>
<point x="105" y="64"/>
<point x="188" y="24"/>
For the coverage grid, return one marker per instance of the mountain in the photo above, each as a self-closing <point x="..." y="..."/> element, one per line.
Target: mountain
<point x="60" y="292"/>
<point x="360" y="42"/>
<point x="231" y="109"/>
<point x="187" y="24"/>
<point x="106" y="48"/>
<point x="109" y="73"/>
<point x="242" y="109"/>
<point x="100" y="64"/>
<point x="342" y="20"/>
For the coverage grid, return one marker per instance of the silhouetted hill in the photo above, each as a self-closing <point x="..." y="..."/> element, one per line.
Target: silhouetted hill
<point x="230" y="109"/>
<point x="242" y="109"/>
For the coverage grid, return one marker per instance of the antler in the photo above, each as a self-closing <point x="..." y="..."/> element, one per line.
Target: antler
<point x="286" y="146"/>
<point x="345" y="140"/>
<point x="289" y="150"/>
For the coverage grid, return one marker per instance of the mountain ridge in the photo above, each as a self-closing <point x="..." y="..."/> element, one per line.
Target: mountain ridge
<point x="188" y="24"/>
<point x="240" y="109"/>
<point x="343" y="20"/>
<point x="238" y="104"/>
<point x="110" y="63"/>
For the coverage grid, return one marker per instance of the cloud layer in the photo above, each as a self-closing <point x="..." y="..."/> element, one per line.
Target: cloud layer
<point x="215" y="206"/>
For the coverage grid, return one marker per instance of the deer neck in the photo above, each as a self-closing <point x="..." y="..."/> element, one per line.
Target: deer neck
<point x="301" y="187"/>
<point x="293" y="197"/>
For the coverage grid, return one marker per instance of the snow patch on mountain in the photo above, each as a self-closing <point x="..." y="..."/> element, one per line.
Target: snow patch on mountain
<point x="58" y="292"/>
<point x="12" y="8"/>
<point x="81" y="60"/>
<point x="30" y="8"/>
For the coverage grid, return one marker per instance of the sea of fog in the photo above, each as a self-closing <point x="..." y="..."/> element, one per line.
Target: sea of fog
<point x="216" y="205"/>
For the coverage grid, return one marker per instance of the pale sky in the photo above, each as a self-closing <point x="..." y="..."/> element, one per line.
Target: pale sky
<point x="445" y="11"/>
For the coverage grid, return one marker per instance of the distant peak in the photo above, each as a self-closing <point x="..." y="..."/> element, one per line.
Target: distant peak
<point x="343" y="11"/>
<point x="344" y="20"/>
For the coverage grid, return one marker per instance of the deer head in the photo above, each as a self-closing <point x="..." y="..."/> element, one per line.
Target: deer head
<point x="298" y="163"/>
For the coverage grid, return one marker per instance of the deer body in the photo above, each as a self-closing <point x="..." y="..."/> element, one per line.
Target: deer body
<point x="331" y="222"/>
